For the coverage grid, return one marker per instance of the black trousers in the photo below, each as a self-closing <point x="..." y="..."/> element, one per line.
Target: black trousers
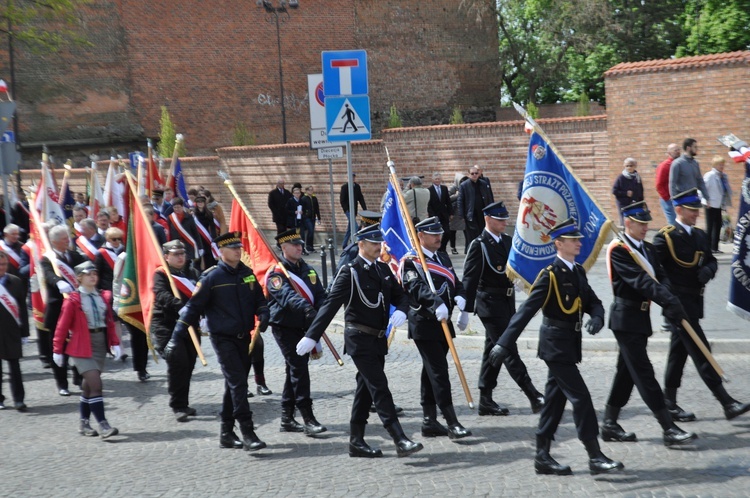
<point x="493" y="329"/>
<point x="231" y="352"/>
<point x="713" y="226"/>
<point x="139" y="347"/>
<point x="297" y="382"/>
<point x="446" y="235"/>
<point x="44" y="344"/>
<point x="634" y="368"/>
<point x="435" y="382"/>
<point x="15" y="381"/>
<point x="179" y="373"/>
<point x="564" y="382"/>
<point x="372" y="387"/>
<point x="473" y="230"/>
<point x="680" y="346"/>
<point x="257" y="360"/>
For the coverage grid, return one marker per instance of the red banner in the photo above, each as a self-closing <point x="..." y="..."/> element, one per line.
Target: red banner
<point x="257" y="255"/>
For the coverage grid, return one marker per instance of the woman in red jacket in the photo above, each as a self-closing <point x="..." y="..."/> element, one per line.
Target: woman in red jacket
<point x="85" y="331"/>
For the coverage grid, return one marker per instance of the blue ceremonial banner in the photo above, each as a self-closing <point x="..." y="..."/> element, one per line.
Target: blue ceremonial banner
<point x="134" y="158"/>
<point x="551" y="194"/>
<point x="739" y="280"/>
<point x="393" y="227"/>
<point x="67" y="202"/>
<point x="179" y="181"/>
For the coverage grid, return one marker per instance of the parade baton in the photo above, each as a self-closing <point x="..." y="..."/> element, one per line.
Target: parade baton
<point x="152" y="236"/>
<point x="231" y="188"/>
<point x="253" y="340"/>
<point x="685" y="324"/>
<point x="418" y="247"/>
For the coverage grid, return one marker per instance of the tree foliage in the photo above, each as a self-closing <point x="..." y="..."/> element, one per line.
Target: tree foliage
<point x="43" y="25"/>
<point x="168" y="136"/>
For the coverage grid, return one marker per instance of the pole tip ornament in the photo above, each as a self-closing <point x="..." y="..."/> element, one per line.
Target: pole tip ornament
<point x="179" y="137"/>
<point x="68" y="165"/>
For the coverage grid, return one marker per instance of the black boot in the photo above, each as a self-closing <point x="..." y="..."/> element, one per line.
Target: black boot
<point x="311" y="426"/>
<point x="251" y="440"/>
<point x="611" y="430"/>
<point x="678" y="414"/>
<point x="358" y="448"/>
<point x="544" y="463"/>
<point x="404" y="445"/>
<point x="487" y="405"/>
<point x="598" y="462"/>
<point x="455" y="430"/>
<point x="732" y="407"/>
<point x="430" y="425"/>
<point x="535" y="397"/>
<point x="288" y="423"/>
<point x="227" y="437"/>
<point x="673" y="435"/>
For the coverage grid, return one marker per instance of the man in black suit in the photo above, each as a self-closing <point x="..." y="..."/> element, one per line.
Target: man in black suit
<point x="277" y="199"/>
<point x="492" y="296"/>
<point x="440" y="205"/>
<point x="563" y="293"/>
<point x="368" y="288"/>
<point x="57" y="285"/>
<point x="631" y="263"/>
<point x="473" y="195"/>
<point x="685" y="252"/>
<point x="14" y="331"/>
<point x="89" y="242"/>
<point x="344" y="201"/>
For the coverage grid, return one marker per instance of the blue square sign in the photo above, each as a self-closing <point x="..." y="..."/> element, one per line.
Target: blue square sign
<point x="348" y="118"/>
<point x="345" y="72"/>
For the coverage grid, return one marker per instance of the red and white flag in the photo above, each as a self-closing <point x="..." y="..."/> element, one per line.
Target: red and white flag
<point x="97" y="195"/>
<point x="47" y="200"/>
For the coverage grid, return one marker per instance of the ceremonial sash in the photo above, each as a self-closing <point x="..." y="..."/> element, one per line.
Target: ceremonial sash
<point x="433" y="267"/>
<point x="633" y="252"/>
<point x="10" y="304"/>
<point x="206" y="237"/>
<point x="109" y="256"/>
<point x="218" y="225"/>
<point x="77" y="228"/>
<point x="304" y="290"/>
<point x="65" y="271"/>
<point x="87" y="247"/>
<point x="184" y="285"/>
<point x="13" y="256"/>
<point x="183" y="233"/>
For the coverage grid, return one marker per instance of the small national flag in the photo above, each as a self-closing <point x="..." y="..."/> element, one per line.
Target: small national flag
<point x="551" y="194"/>
<point x="178" y="181"/>
<point x="47" y="201"/>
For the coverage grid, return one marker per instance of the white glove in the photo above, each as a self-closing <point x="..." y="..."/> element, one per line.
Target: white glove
<point x="463" y="321"/>
<point x="64" y="287"/>
<point x="24" y="340"/>
<point x="398" y="318"/>
<point x="201" y="252"/>
<point x="117" y="352"/>
<point x="305" y="345"/>
<point x="460" y="302"/>
<point x="58" y="359"/>
<point x="441" y="313"/>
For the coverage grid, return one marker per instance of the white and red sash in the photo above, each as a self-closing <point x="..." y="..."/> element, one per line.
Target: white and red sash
<point x="87" y="247"/>
<point x="10" y="304"/>
<point x="65" y="270"/>
<point x="207" y="238"/>
<point x="184" y="285"/>
<point x="109" y="256"/>
<point x="13" y="257"/>
<point x="183" y="233"/>
<point x="304" y="290"/>
<point x="435" y="268"/>
<point x="77" y="228"/>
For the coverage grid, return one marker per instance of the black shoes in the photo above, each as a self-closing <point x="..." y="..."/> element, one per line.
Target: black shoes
<point x="677" y="413"/>
<point x="63" y="392"/>
<point x="488" y="407"/>
<point x="535" y="397"/>
<point x="404" y="446"/>
<point x="263" y="390"/>
<point x="430" y="425"/>
<point x="20" y="406"/>
<point x="455" y="429"/>
<point x="398" y="408"/>
<point x="598" y="462"/>
<point x="251" y="441"/>
<point x="611" y="430"/>
<point x="180" y="416"/>
<point x="228" y="438"/>
<point x="143" y="376"/>
<point x="453" y="250"/>
<point x="311" y="426"/>
<point x="289" y="424"/>
<point x="675" y="436"/>
<point x="544" y="463"/>
<point x="358" y="448"/>
<point x="735" y="409"/>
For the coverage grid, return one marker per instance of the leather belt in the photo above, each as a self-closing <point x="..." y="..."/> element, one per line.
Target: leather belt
<point x="690" y="291"/>
<point x="367" y="330"/>
<point x="561" y="324"/>
<point x="101" y="329"/>
<point x="504" y="291"/>
<point x="641" y="305"/>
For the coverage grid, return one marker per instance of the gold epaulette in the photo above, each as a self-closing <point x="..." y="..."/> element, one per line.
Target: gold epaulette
<point x="666" y="229"/>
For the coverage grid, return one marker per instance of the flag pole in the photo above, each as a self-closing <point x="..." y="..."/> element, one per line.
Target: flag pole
<point x="231" y="188"/>
<point x="418" y="248"/>
<point x="152" y="237"/>
<point x="178" y="140"/>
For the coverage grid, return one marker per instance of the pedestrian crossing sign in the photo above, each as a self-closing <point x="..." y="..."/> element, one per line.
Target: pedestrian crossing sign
<point x="348" y="118"/>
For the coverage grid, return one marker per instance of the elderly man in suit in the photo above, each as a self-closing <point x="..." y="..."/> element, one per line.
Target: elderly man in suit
<point x="440" y="205"/>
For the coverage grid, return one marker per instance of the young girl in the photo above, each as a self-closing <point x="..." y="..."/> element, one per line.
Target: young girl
<point x="85" y="331"/>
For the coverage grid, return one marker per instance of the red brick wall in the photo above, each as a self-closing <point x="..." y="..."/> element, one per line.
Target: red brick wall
<point x="646" y="111"/>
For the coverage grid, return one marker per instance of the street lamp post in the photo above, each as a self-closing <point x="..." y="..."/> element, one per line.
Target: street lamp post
<point x="279" y="14"/>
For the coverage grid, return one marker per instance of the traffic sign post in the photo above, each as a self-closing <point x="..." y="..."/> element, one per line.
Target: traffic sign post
<point x="347" y="108"/>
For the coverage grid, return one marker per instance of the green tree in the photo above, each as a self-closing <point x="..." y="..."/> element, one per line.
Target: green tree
<point x="457" y="117"/>
<point x="394" y="120"/>
<point x="241" y="135"/>
<point x="714" y="26"/>
<point x="168" y="136"/>
<point x="43" y="26"/>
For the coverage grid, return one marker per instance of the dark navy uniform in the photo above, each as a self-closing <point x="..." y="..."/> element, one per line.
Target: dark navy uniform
<point x="690" y="264"/>
<point x="350" y="252"/>
<point x="291" y="315"/>
<point x="491" y="295"/>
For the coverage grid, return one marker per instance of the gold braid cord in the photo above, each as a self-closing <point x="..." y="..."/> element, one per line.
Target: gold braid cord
<point x="576" y="303"/>
<point x="670" y="245"/>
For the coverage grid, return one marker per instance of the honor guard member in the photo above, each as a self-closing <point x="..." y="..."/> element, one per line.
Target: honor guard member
<point x="491" y="295"/>
<point x="427" y="309"/>
<point x="562" y="292"/>
<point x="292" y="312"/>
<point x="350" y="252"/>
<point x="165" y="313"/>
<point x="631" y="262"/>
<point x="230" y="297"/>
<point x="685" y="252"/>
<point x="368" y="288"/>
